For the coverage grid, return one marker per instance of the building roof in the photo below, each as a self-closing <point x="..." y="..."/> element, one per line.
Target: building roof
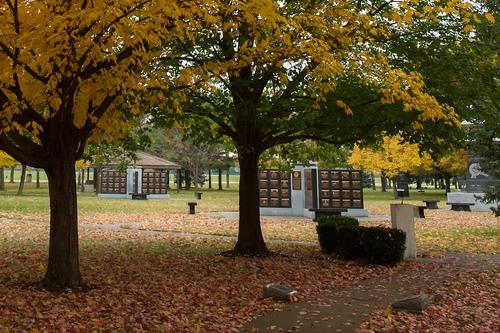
<point x="146" y="160"/>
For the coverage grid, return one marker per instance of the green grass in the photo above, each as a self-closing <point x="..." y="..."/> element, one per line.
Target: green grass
<point x="35" y="201"/>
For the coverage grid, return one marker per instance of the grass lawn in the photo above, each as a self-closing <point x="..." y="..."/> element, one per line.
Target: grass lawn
<point x="149" y="281"/>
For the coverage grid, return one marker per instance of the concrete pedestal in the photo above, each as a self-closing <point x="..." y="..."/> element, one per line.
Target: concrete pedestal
<point x="402" y="218"/>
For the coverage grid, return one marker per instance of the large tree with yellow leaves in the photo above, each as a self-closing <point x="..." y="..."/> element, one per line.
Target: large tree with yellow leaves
<point x="269" y="72"/>
<point x="70" y="70"/>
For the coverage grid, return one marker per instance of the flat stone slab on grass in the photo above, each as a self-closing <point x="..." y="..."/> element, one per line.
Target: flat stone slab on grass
<point x="414" y="304"/>
<point x="279" y="292"/>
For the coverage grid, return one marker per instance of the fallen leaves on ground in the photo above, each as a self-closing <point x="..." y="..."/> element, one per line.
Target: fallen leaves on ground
<point x="153" y="282"/>
<point x="469" y="303"/>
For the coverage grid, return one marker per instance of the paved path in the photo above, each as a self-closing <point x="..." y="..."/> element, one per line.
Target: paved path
<point x="345" y="309"/>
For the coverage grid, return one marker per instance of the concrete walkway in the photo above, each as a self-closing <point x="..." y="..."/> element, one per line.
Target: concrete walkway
<point x="345" y="309"/>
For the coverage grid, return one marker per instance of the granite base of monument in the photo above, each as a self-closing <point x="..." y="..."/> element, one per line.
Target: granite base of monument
<point x="466" y="197"/>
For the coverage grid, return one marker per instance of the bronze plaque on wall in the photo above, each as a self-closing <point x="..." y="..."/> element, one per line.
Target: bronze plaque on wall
<point x="297" y="180"/>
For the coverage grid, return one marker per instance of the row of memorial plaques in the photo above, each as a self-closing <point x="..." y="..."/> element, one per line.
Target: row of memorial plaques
<point x="341" y="203"/>
<point x="325" y="184"/>
<point x="275" y="202"/>
<point x="274" y="192"/>
<point x="340" y="175"/>
<point x="284" y="183"/>
<point x="274" y="189"/>
<point x="337" y="194"/>
<point x="154" y="183"/>
<point x="113" y="182"/>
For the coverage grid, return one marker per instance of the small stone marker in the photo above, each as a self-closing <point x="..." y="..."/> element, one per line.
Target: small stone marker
<point x="279" y="292"/>
<point x="414" y="304"/>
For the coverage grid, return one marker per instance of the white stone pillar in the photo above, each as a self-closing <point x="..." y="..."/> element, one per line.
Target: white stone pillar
<point x="402" y="218"/>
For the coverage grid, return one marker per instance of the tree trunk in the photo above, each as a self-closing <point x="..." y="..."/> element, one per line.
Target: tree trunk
<point x="250" y="240"/>
<point x="2" y="180"/>
<point x="419" y="182"/>
<point x="12" y="174"/>
<point x="37" y="178"/>
<point x="82" y="185"/>
<point x="227" y="178"/>
<point x="374" y="186"/>
<point x="435" y="183"/>
<point x="188" y="180"/>
<point x="394" y="188"/>
<point x="20" y="190"/>
<point x="220" y="179"/>
<point x="209" y="178"/>
<point x="447" y="179"/>
<point x="384" y="182"/>
<point x="97" y="180"/>
<point x="179" y="180"/>
<point x="63" y="267"/>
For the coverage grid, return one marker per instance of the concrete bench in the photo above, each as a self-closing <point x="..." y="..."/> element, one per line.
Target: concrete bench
<point x="325" y="212"/>
<point x="419" y="211"/>
<point x="460" y="206"/>
<point x="431" y="204"/>
<point x="139" y="196"/>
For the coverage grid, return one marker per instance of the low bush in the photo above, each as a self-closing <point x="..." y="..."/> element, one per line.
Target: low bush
<point x="383" y="246"/>
<point x="348" y="242"/>
<point x="327" y="230"/>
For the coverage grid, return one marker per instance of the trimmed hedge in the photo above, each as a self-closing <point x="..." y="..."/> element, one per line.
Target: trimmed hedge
<point x="383" y="246"/>
<point x="348" y="243"/>
<point x="327" y="231"/>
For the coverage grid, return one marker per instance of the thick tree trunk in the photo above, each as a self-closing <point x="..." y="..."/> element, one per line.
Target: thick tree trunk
<point x="2" y="179"/>
<point x="250" y="240"/>
<point x="220" y="179"/>
<point x="383" y="180"/>
<point x="63" y="267"/>
<point x="12" y="170"/>
<point x="20" y="190"/>
<point x="419" y="182"/>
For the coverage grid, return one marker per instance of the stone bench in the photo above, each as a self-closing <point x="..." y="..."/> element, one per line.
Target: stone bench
<point x="325" y="212"/>
<point x="419" y="211"/>
<point x="431" y="204"/>
<point x="460" y="206"/>
<point x="139" y="196"/>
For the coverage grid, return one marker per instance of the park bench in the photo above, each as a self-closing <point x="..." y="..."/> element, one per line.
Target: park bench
<point x="192" y="209"/>
<point x="325" y="212"/>
<point x="139" y="196"/>
<point x="431" y="204"/>
<point x="460" y="206"/>
<point x="419" y="211"/>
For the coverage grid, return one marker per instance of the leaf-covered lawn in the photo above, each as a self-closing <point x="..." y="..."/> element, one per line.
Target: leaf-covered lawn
<point x="150" y="282"/>
<point x="469" y="303"/>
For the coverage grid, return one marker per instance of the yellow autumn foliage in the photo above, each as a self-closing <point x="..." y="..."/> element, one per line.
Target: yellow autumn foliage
<point x="392" y="158"/>
<point x="6" y="160"/>
<point x="82" y="60"/>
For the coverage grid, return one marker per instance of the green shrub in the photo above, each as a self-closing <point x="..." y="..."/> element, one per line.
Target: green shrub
<point x="327" y="228"/>
<point x="383" y="246"/>
<point x="349" y="242"/>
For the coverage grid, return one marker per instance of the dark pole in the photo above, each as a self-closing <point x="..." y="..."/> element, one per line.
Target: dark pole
<point x="209" y="178"/>
<point x="220" y="179"/>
